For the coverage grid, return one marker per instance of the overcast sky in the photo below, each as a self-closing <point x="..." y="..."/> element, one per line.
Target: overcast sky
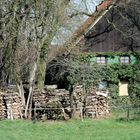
<point x="71" y="25"/>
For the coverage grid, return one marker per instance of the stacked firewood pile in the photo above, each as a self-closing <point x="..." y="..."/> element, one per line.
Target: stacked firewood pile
<point x="40" y="98"/>
<point x="10" y="105"/>
<point x="50" y="103"/>
<point x="78" y="94"/>
<point x="13" y="105"/>
<point x="96" y="104"/>
<point x="55" y="103"/>
<point x="2" y="108"/>
<point x="93" y="103"/>
<point x="79" y="99"/>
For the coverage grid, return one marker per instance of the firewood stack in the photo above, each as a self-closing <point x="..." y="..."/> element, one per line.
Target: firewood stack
<point x="2" y="108"/>
<point x="13" y="105"/>
<point x="10" y="105"/>
<point x="40" y="98"/>
<point x="78" y="103"/>
<point x="55" y="103"/>
<point x="50" y="103"/>
<point x="78" y="94"/>
<point x="96" y="104"/>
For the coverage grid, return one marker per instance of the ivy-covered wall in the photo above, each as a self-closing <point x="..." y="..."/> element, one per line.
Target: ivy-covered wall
<point x="111" y="58"/>
<point x="112" y="72"/>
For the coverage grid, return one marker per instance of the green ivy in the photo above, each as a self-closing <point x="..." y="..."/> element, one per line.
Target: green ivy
<point x="111" y="73"/>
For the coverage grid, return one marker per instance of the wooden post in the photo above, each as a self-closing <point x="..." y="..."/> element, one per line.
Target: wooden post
<point x="64" y="113"/>
<point x="128" y="113"/>
<point x="30" y="108"/>
<point x="71" y="101"/>
<point x="96" y="110"/>
<point x="11" y="114"/>
<point x="34" y="117"/>
<point x="128" y="110"/>
<point x="81" y="113"/>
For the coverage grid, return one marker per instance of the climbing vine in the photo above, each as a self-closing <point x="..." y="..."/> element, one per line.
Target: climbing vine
<point x="87" y="74"/>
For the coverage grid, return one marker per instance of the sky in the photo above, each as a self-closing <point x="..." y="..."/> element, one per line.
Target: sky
<point x="72" y="24"/>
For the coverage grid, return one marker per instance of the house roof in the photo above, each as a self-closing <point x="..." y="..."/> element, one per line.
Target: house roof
<point x="111" y="33"/>
<point x="78" y="34"/>
<point x="93" y="19"/>
<point x="101" y="10"/>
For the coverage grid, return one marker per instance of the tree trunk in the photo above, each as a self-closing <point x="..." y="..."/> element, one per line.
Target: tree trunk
<point x="41" y="74"/>
<point x="21" y="92"/>
<point x="32" y="80"/>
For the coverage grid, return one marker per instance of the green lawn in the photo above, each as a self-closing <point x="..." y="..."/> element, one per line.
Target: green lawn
<point x="108" y="129"/>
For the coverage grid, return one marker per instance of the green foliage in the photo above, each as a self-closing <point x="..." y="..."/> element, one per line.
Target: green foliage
<point x="85" y="56"/>
<point x="111" y="73"/>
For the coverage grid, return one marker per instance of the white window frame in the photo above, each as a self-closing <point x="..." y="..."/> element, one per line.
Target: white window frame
<point x="100" y="59"/>
<point x="125" y="59"/>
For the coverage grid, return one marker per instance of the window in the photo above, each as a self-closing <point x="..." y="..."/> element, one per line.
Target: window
<point x="123" y="88"/>
<point x="124" y="59"/>
<point x="100" y="60"/>
<point x="102" y="85"/>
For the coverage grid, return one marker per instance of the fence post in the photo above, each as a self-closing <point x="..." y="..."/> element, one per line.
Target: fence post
<point x="128" y="109"/>
<point x="128" y="113"/>
<point x="81" y="113"/>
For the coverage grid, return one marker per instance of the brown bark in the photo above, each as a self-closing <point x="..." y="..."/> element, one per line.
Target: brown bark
<point x="21" y="92"/>
<point x="32" y="80"/>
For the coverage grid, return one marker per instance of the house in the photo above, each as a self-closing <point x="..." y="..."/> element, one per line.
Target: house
<point x="107" y="30"/>
<point x="113" y="39"/>
<point x="105" y="43"/>
<point x="110" y="38"/>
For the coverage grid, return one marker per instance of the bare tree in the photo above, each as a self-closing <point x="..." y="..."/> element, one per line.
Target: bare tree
<point x="25" y="25"/>
<point x="27" y="29"/>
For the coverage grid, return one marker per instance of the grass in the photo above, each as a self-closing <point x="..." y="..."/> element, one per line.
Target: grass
<point x="103" y="129"/>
